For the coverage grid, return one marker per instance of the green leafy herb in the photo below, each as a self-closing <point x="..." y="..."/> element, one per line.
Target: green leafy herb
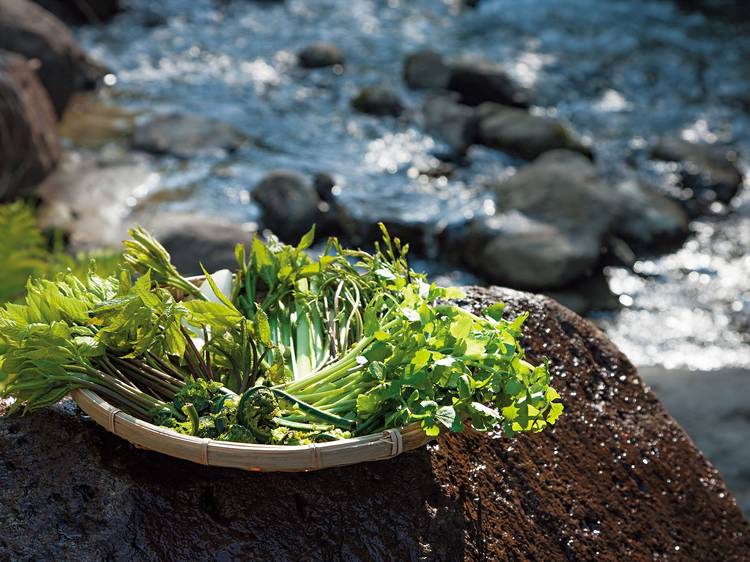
<point x="303" y="350"/>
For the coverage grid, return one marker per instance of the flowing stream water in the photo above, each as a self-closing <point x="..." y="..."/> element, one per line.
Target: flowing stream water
<point x="621" y="72"/>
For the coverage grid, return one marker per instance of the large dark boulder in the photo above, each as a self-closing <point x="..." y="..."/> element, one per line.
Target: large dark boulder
<point x="29" y="143"/>
<point x="32" y="31"/>
<point x="616" y="479"/>
<point x="554" y="216"/>
<point x="290" y="204"/>
<point x="82" y="11"/>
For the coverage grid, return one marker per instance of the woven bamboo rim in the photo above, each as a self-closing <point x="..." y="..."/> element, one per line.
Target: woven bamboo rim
<point x="246" y="456"/>
<point x="256" y="458"/>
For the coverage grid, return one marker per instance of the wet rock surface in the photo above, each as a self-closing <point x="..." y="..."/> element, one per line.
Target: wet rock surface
<point x="426" y="70"/>
<point x="452" y="122"/>
<point x="29" y="142"/>
<point x="193" y="239"/>
<point x="320" y="55"/>
<point x="185" y="136"/>
<point x="82" y="11"/>
<point x="649" y="220"/>
<point x="616" y="479"/>
<point x="553" y="217"/>
<point x="522" y="134"/>
<point x="520" y="251"/>
<point x="709" y="172"/>
<point x="31" y="31"/>
<point x="481" y="81"/>
<point x="91" y="198"/>
<point x="378" y="100"/>
<point x="92" y="123"/>
<point x="289" y="202"/>
<point x="564" y="189"/>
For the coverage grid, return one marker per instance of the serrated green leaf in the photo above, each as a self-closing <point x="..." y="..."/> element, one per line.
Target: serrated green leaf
<point x="556" y="409"/>
<point x="263" y="328"/>
<point x="205" y="313"/>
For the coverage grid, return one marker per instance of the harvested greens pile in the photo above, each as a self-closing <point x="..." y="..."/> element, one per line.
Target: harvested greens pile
<point x="286" y="350"/>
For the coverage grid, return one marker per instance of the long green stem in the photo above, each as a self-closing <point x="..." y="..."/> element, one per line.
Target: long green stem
<point x="313" y="411"/>
<point x="328" y="390"/>
<point x="301" y="425"/>
<point x="344" y="363"/>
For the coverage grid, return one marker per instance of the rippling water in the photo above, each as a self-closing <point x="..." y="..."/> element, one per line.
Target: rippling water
<point x="621" y="72"/>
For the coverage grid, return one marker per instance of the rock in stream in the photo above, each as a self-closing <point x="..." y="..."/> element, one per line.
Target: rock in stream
<point x="31" y="31"/>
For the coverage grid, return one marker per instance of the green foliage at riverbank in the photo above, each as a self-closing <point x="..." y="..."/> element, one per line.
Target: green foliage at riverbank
<point x="25" y="252"/>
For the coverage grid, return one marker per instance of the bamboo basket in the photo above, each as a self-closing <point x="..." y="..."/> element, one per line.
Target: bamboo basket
<point x="252" y="457"/>
<point x="256" y="458"/>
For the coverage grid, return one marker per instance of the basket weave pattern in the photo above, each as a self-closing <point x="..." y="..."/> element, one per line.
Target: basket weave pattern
<point x="257" y="458"/>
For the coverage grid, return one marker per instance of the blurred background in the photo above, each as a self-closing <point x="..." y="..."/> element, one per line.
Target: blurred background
<point x="591" y="150"/>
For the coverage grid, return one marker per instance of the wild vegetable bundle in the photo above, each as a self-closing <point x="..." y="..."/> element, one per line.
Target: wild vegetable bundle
<point x="285" y="350"/>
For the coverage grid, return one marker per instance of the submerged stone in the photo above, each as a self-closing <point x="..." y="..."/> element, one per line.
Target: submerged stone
<point x="378" y="100"/>
<point x="710" y="172"/>
<point x="320" y="55"/>
<point x="186" y="136"/>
